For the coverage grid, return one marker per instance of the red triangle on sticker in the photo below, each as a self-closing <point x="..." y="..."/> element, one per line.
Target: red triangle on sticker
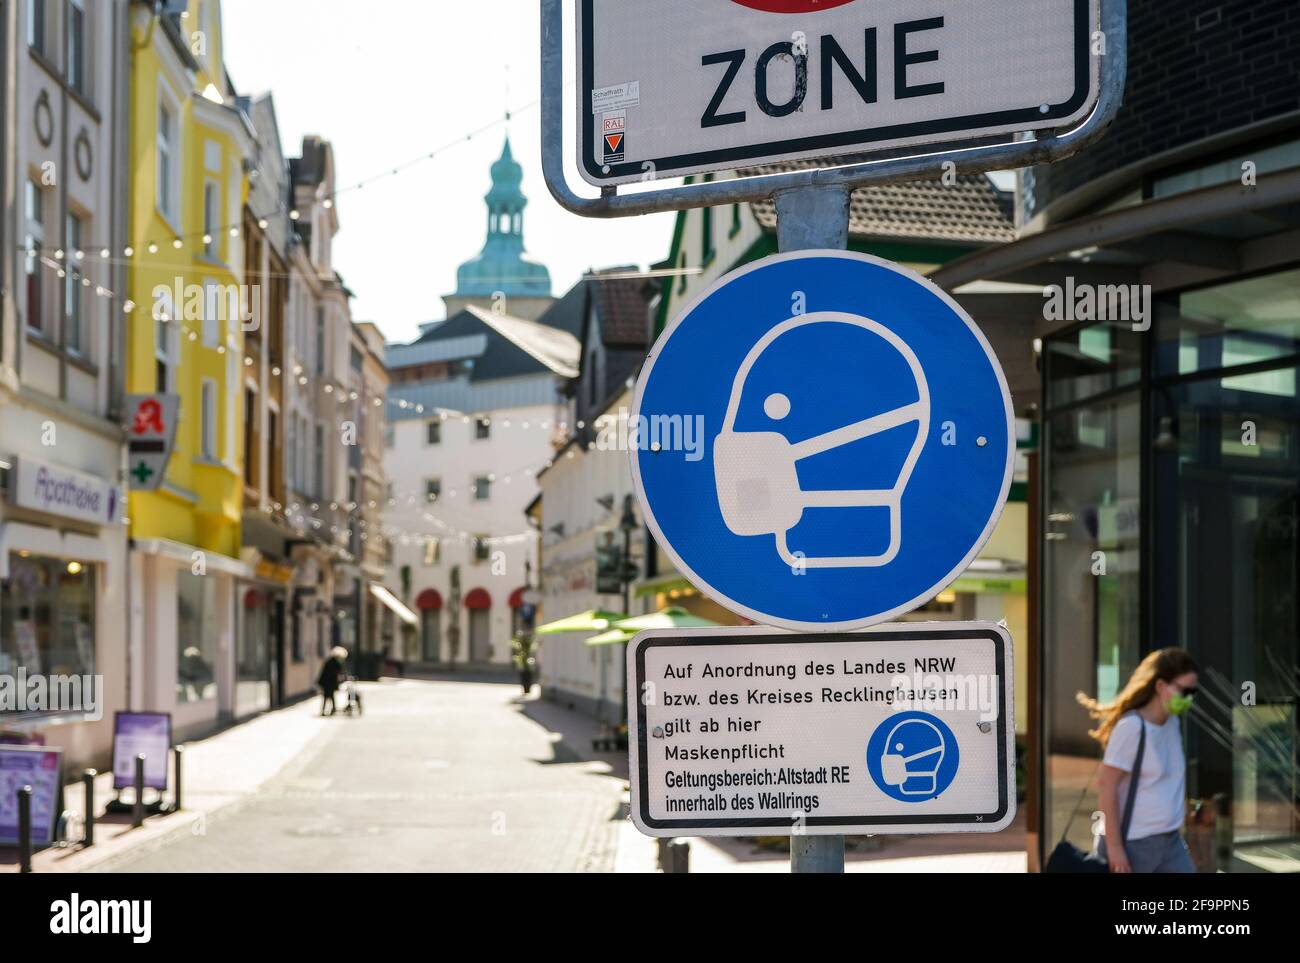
<point x="613" y="142"/>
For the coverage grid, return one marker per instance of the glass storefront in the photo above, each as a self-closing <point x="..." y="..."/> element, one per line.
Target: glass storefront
<point x="254" y="663"/>
<point x="47" y="616"/>
<point x="196" y="637"/>
<point x="1170" y="500"/>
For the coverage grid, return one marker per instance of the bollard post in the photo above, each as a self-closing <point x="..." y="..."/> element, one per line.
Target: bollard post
<point x="179" y="755"/>
<point x="25" y="829"/>
<point x="137" y="818"/>
<point x="88" y="783"/>
<point x="679" y="856"/>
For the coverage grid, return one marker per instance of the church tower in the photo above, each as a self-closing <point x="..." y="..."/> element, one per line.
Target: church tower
<point x="503" y="274"/>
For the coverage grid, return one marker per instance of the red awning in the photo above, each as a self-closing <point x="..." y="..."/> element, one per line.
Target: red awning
<point x="517" y="596"/>
<point x="428" y="601"/>
<point x="478" y="599"/>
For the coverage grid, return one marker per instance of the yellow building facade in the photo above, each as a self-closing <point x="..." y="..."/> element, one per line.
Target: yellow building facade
<point x="190" y="145"/>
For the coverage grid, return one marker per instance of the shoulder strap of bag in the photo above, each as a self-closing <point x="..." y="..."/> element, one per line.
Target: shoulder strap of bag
<point x="1133" y="778"/>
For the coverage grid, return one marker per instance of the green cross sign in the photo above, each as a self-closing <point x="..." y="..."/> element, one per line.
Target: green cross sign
<point x="142" y="473"/>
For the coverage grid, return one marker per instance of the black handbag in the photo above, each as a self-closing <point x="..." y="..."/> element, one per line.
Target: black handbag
<point x="1069" y="858"/>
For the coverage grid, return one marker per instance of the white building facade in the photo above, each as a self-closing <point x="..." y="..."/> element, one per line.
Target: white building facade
<point x="63" y="538"/>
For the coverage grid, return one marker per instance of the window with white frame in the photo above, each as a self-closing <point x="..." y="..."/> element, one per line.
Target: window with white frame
<point x="320" y="340"/>
<point x="211" y="216"/>
<point x="233" y="395"/>
<point x="482" y="488"/>
<point x="208" y="419"/>
<point x="212" y="311"/>
<point x="36" y="22"/>
<point x="34" y="209"/>
<point x="432" y="489"/>
<point x="168" y="150"/>
<point x="291" y="450"/>
<point x="73" y="286"/>
<point x="165" y="341"/>
<point x="77" y="46"/>
<point x="432" y="551"/>
<point x="319" y="470"/>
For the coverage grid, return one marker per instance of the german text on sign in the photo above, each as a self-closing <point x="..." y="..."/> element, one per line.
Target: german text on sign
<point x="905" y="728"/>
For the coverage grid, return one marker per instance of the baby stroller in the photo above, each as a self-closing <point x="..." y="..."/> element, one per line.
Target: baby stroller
<point x="353" y="696"/>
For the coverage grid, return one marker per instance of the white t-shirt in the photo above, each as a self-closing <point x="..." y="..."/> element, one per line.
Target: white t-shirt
<point x="1159" y="805"/>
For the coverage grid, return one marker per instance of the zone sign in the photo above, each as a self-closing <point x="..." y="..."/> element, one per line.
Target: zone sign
<point x="679" y="87"/>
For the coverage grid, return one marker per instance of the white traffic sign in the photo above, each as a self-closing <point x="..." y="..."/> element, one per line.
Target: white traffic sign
<point x="676" y="87"/>
<point x="904" y="728"/>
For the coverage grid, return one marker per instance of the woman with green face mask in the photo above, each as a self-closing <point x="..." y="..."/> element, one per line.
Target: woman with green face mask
<point x="1143" y="740"/>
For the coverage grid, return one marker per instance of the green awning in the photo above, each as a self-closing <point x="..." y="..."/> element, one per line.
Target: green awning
<point x="592" y="620"/>
<point x="610" y="637"/>
<point x="673" y="617"/>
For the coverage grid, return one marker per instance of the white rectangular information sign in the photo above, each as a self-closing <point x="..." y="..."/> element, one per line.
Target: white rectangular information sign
<point x="713" y="85"/>
<point x="903" y="728"/>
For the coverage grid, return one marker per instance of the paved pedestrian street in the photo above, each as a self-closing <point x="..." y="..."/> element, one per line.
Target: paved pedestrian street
<point x="435" y="776"/>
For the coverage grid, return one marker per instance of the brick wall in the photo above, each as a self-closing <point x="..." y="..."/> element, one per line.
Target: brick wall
<point x="1196" y="68"/>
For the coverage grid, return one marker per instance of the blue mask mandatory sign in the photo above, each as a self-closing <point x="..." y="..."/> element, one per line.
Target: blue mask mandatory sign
<point x="912" y="756"/>
<point x="822" y="441"/>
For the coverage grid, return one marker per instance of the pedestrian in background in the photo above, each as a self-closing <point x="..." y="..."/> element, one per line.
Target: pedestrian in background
<point x="1143" y="739"/>
<point x="330" y="678"/>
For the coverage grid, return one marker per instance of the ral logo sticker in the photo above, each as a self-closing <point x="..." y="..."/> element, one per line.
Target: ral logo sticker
<point x="824" y="441"/>
<point x="912" y="756"/>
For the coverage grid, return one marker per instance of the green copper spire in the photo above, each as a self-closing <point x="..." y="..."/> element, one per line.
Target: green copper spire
<point x="503" y="266"/>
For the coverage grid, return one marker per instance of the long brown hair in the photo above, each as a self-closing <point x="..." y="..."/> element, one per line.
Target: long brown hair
<point x="1163" y="665"/>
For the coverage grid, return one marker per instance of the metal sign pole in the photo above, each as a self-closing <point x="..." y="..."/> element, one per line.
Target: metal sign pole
<point x="813" y="219"/>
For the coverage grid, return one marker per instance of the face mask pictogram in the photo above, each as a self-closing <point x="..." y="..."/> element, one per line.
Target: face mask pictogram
<point x="756" y="475"/>
<point x="901" y="765"/>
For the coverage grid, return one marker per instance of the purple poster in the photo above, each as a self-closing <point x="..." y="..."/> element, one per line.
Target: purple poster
<point x="39" y="768"/>
<point x="141" y="732"/>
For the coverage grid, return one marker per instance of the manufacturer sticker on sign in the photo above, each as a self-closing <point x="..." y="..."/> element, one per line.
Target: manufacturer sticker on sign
<point x="735" y="83"/>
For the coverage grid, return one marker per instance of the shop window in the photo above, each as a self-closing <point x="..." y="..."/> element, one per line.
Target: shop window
<point x="1089" y="361"/>
<point x="1092" y="588"/>
<point x="1250" y="322"/>
<point x="47" y="616"/>
<point x="196" y="637"/>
